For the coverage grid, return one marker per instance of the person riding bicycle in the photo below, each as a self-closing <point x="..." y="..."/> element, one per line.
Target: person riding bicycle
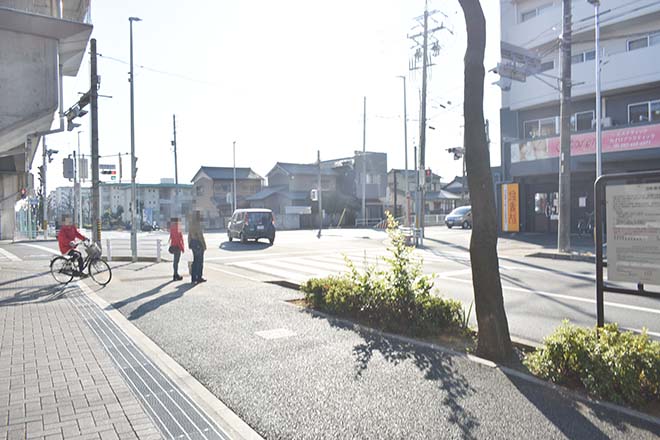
<point x="66" y="239"/>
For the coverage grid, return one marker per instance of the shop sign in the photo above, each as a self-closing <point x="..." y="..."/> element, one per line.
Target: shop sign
<point x="633" y="233"/>
<point x="510" y="207"/>
<point x="624" y="139"/>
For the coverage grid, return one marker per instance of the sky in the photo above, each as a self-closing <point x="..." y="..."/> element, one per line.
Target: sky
<point x="282" y="79"/>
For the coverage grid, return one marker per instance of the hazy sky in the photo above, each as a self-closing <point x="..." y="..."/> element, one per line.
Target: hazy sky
<point x="281" y="78"/>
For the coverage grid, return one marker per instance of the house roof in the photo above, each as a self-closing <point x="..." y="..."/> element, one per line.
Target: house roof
<point x="227" y="173"/>
<point x="282" y="190"/>
<point x="441" y="195"/>
<point x="456" y="185"/>
<point x="301" y="169"/>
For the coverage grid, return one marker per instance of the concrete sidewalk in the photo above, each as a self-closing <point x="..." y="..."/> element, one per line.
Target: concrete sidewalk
<point x="69" y="371"/>
<point x="290" y="373"/>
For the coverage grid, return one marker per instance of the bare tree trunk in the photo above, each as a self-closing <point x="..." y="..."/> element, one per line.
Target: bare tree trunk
<point x="494" y="340"/>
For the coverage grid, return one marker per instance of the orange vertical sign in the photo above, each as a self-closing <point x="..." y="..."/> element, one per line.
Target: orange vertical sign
<point x="510" y="208"/>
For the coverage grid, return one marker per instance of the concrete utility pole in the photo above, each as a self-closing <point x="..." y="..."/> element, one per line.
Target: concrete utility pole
<point x="176" y="167"/>
<point x="133" y="186"/>
<point x="364" y="162"/>
<point x="76" y="188"/>
<point x="405" y="147"/>
<point x="564" y="229"/>
<point x="318" y="161"/>
<point x="80" y="174"/>
<point x="44" y="196"/>
<point x="234" y="190"/>
<point x="93" y="101"/>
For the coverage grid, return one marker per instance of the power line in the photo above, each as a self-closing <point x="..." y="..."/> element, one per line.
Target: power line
<point x="162" y="72"/>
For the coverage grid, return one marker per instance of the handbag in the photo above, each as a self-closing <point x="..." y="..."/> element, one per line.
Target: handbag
<point x="172" y="249"/>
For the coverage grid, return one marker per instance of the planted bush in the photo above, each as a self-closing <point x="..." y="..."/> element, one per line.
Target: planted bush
<point x="622" y="367"/>
<point x="397" y="298"/>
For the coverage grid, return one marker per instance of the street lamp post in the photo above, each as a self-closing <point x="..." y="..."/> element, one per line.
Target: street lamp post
<point x="599" y="147"/>
<point x="234" y="189"/>
<point x="80" y="174"/>
<point x="405" y="146"/>
<point x="133" y="189"/>
<point x="364" y="163"/>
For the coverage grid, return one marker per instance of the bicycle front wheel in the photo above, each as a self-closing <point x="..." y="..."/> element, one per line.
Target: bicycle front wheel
<point x="100" y="272"/>
<point x="61" y="269"/>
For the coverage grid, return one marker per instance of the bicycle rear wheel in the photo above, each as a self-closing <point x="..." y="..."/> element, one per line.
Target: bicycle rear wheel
<point x="62" y="270"/>
<point x="100" y="271"/>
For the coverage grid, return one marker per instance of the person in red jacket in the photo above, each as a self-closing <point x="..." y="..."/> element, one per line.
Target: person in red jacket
<point x="176" y="246"/>
<point x="66" y="239"/>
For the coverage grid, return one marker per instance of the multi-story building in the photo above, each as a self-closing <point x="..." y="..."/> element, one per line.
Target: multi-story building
<point x="41" y="41"/>
<point x="630" y="78"/>
<point x="212" y="192"/>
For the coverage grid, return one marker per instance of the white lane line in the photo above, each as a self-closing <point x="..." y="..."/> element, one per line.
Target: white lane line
<point x="271" y="255"/>
<point x="43" y="248"/>
<point x="566" y="297"/>
<point x="9" y="255"/>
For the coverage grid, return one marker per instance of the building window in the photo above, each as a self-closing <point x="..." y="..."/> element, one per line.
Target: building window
<point x="547" y="65"/>
<point x="644" y="112"/>
<point x="645" y="41"/>
<point x="540" y="128"/>
<point x="199" y="190"/>
<point x="583" y="56"/>
<point x="582" y="121"/>
<point x="528" y="15"/>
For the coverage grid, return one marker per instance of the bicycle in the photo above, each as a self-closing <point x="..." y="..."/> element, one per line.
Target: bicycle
<point x="585" y="227"/>
<point x="65" y="267"/>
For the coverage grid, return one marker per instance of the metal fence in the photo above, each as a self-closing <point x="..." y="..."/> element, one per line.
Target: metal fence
<point x="120" y="249"/>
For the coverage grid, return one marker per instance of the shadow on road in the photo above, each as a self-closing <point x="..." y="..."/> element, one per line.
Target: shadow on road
<point x="37" y="294"/>
<point x="25" y="278"/>
<point x="155" y="303"/>
<point x="233" y="246"/>
<point x="437" y="367"/>
<point x="570" y="416"/>
<point x="146" y="294"/>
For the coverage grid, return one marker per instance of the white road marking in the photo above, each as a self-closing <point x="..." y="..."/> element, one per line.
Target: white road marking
<point x="43" y="248"/>
<point x="217" y="269"/>
<point x="9" y="255"/>
<point x="566" y="297"/>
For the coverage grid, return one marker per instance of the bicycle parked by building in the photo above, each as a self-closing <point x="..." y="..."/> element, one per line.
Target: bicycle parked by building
<point x="64" y="268"/>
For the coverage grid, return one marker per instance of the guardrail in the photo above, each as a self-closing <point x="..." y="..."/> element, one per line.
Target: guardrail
<point x="120" y="249"/>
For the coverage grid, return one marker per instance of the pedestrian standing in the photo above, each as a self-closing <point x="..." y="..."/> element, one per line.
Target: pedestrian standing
<point x="197" y="245"/>
<point x="176" y="246"/>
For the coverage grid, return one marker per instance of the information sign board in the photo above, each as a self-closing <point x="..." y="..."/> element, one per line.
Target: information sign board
<point x="633" y="233"/>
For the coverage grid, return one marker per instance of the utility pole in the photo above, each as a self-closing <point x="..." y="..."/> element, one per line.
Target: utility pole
<point x="599" y="148"/>
<point x="94" y="97"/>
<point x="395" y="195"/>
<point x="176" y="167"/>
<point x="76" y="188"/>
<point x="133" y="187"/>
<point x="234" y="189"/>
<point x="405" y="147"/>
<point x="424" y="54"/>
<point x="80" y="174"/>
<point x="44" y="198"/>
<point x="318" y="161"/>
<point x="416" y="180"/>
<point x="364" y="162"/>
<point x="564" y="229"/>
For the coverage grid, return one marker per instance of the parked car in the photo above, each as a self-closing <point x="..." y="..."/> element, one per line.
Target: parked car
<point x="461" y="216"/>
<point x="252" y="224"/>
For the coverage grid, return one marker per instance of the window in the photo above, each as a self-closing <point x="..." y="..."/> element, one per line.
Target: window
<point x="547" y="65"/>
<point x="654" y="39"/>
<point x="638" y="43"/>
<point x="655" y="110"/>
<point x="582" y="121"/>
<point x="200" y="190"/>
<point x="528" y="15"/>
<point x="579" y="58"/>
<point x="540" y="128"/>
<point x="644" y="112"/>
<point x="583" y="56"/>
<point x="590" y="55"/>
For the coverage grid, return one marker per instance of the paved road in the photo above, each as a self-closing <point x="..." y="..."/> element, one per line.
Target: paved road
<point x="539" y="293"/>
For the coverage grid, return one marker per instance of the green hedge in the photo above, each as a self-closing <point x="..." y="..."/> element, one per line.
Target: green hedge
<point x="396" y="299"/>
<point x="622" y="367"/>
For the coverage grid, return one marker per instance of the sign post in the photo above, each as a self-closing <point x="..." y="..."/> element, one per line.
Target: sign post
<point x="510" y="207"/>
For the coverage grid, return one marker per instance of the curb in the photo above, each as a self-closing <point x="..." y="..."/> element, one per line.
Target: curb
<point x="562" y="256"/>
<point x="488" y="363"/>
<point x="207" y="401"/>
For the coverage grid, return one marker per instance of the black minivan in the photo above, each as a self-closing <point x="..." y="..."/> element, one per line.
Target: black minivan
<point x="252" y="224"/>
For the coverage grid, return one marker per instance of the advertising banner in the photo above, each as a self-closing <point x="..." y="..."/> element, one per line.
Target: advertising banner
<point x="510" y="207"/>
<point x="633" y="233"/>
<point x="624" y="139"/>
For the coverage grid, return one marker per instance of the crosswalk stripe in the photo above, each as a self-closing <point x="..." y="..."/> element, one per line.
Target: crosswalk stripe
<point x="269" y="270"/>
<point x="9" y="255"/>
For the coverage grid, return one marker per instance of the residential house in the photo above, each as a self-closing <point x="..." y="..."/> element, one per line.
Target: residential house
<point x="213" y="193"/>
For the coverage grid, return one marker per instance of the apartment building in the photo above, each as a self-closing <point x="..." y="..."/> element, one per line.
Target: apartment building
<point x="630" y="84"/>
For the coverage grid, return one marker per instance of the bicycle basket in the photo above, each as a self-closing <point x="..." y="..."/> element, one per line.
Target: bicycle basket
<point x="93" y="251"/>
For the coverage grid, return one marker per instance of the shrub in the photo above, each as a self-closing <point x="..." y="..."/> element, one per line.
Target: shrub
<point x="622" y="367"/>
<point x="396" y="299"/>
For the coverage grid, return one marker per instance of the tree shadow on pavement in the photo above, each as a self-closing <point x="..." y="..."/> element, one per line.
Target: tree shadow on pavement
<point x="570" y="416"/>
<point x="36" y="294"/>
<point x="437" y="367"/>
<point x="155" y="303"/>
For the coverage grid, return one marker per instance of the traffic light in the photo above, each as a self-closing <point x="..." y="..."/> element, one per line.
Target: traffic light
<point x="41" y="175"/>
<point x="67" y="167"/>
<point x="50" y="154"/>
<point x="76" y="111"/>
<point x="428" y="175"/>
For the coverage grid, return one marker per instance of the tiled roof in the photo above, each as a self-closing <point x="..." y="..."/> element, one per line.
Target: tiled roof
<point x="227" y="173"/>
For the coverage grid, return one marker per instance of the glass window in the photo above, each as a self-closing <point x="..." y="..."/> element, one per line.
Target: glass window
<point x="638" y="113"/>
<point x="548" y="65"/>
<point x="540" y="203"/>
<point x="590" y="55"/>
<point x="548" y="127"/>
<point x="579" y="58"/>
<point x="638" y="43"/>
<point x="655" y="110"/>
<point x="531" y="129"/>
<point x="528" y="15"/>
<point x="583" y="121"/>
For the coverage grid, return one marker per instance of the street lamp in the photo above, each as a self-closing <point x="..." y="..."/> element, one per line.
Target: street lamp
<point x="599" y="148"/>
<point x="133" y="189"/>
